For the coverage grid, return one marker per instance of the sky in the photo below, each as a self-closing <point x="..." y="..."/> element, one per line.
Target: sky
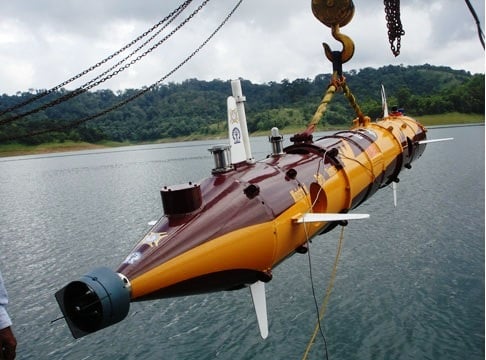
<point x="46" y="42"/>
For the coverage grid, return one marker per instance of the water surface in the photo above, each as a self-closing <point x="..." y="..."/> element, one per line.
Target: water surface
<point x="410" y="282"/>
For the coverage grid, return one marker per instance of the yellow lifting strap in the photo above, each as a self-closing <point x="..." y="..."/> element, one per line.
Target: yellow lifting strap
<point x="335" y="14"/>
<point x="321" y="109"/>
<point x="337" y="82"/>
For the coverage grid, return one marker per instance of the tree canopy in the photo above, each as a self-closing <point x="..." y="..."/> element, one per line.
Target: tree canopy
<point x="199" y="107"/>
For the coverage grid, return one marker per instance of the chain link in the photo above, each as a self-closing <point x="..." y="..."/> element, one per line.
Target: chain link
<point x="137" y="95"/>
<point x="97" y="81"/>
<point x="394" y="25"/>
<point x="167" y="20"/>
<point x="152" y="48"/>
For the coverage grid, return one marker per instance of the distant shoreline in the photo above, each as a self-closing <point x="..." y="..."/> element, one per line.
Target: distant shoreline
<point x="453" y="125"/>
<point x="70" y="146"/>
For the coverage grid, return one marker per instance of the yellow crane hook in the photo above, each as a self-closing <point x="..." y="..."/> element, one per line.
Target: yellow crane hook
<point x="335" y="14"/>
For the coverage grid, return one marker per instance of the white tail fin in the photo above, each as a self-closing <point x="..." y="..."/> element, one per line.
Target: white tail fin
<point x="260" y="303"/>
<point x="384" y="104"/>
<point x="327" y="217"/>
<point x="238" y="153"/>
<point x="434" y="140"/>
<point x="394" y="188"/>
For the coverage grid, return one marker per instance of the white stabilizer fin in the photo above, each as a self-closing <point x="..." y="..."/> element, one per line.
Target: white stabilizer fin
<point x="384" y="104"/>
<point x="327" y="217"/>
<point x="238" y="152"/>
<point x="394" y="187"/>
<point x="434" y="140"/>
<point x="260" y="304"/>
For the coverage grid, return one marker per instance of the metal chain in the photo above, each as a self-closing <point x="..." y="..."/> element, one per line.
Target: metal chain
<point x="169" y="18"/>
<point x="139" y="57"/>
<point x="126" y="101"/>
<point x="394" y="25"/>
<point x="97" y="81"/>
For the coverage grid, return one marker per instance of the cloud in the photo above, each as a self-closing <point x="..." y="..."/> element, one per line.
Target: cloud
<point x="44" y="42"/>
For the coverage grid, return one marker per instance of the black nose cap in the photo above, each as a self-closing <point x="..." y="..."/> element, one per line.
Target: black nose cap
<point x="97" y="300"/>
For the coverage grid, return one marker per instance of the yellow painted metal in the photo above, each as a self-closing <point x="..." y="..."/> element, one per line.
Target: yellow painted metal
<point x="251" y="247"/>
<point x="261" y="247"/>
<point x="333" y="12"/>
<point x="348" y="46"/>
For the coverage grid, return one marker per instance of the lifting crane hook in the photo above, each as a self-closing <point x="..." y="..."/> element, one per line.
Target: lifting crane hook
<point x="348" y="46"/>
<point x="335" y="14"/>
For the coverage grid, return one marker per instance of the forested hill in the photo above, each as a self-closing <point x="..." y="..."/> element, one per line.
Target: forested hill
<point x="199" y="107"/>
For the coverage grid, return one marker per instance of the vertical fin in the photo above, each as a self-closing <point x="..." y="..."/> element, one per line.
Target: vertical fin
<point x="238" y="153"/>
<point x="384" y="104"/>
<point x="260" y="304"/>
<point x="240" y="106"/>
<point x="394" y="187"/>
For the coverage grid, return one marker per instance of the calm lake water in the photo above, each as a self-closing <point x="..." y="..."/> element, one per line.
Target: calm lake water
<point x="410" y="282"/>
